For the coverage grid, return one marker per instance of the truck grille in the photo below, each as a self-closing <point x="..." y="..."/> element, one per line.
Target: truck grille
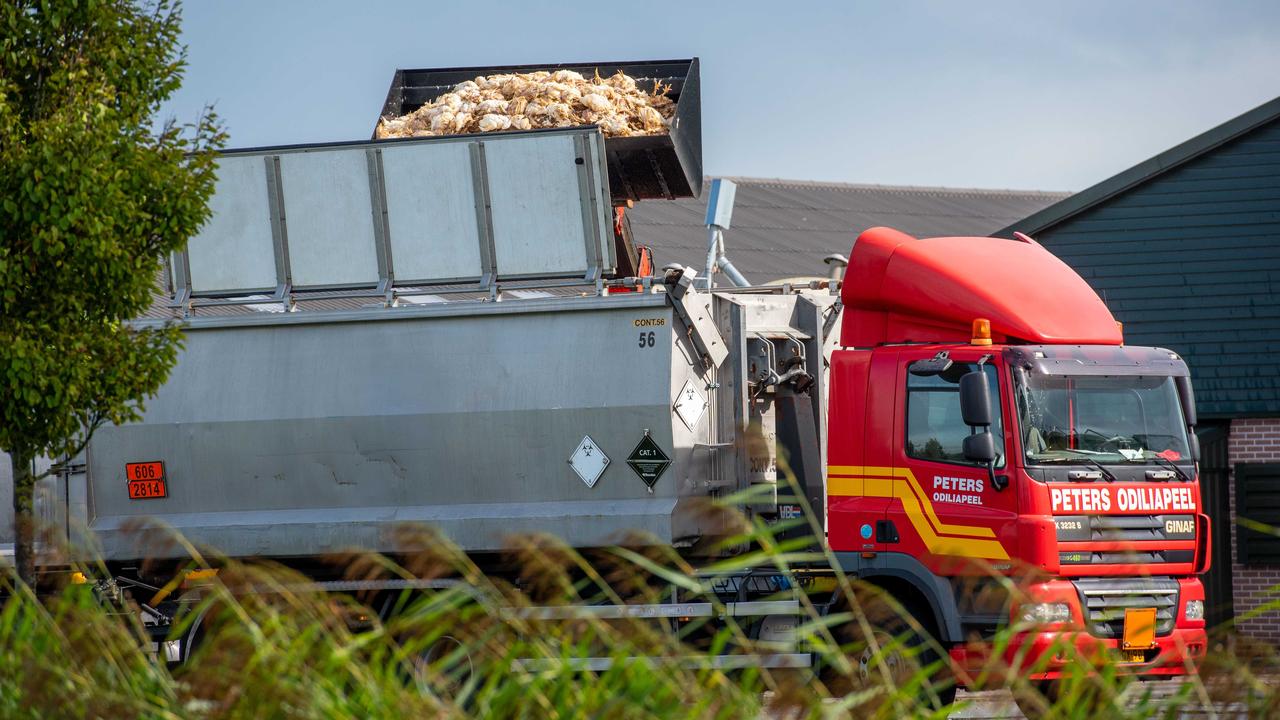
<point x="1126" y="528"/>
<point x="1104" y="601"/>
<point x="1149" y="557"/>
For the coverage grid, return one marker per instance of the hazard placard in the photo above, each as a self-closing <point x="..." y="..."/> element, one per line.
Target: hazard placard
<point x="1139" y="629"/>
<point x="648" y="461"/>
<point x="588" y="461"/>
<point x="146" y="480"/>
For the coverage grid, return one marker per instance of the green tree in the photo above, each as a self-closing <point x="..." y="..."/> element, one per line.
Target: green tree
<point x="93" y="196"/>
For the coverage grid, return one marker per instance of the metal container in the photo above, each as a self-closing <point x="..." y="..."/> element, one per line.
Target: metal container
<point x="6" y="510"/>
<point x="48" y="508"/>
<point x="596" y="419"/>
<point x="654" y="166"/>
<point x="305" y="433"/>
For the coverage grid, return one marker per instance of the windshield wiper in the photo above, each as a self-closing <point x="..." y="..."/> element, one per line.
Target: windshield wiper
<point x="1172" y="466"/>
<point x="1080" y="460"/>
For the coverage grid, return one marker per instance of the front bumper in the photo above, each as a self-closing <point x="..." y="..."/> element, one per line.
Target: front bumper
<point x="1043" y="653"/>
<point x="1047" y="652"/>
<point x="1051" y="655"/>
<point x="1047" y="655"/>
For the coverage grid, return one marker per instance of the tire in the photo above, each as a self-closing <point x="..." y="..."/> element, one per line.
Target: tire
<point x="897" y="652"/>
<point x="433" y="673"/>
<point x="442" y="668"/>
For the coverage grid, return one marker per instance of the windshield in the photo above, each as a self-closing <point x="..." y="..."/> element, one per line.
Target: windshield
<point x="1113" y="419"/>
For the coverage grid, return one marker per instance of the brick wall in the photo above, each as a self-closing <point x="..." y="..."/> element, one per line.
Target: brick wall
<point x="1253" y="441"/>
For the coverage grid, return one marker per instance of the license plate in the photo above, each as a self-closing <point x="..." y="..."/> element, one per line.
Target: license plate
<point x="1139" y="629"/>
<point x="146" y="480"/>
<point x="1134" y="656"/>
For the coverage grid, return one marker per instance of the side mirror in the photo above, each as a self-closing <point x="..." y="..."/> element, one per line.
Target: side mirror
<point x="975" y="399"/>
<point x="980" y="448"/>
<point x="1188" y="398"/>
<point x="1193" y="444"/>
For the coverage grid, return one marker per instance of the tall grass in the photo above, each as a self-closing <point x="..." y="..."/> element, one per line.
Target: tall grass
<point x="483" y="644"/>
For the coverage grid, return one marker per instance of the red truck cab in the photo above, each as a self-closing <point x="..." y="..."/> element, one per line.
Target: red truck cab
<point x="987" y="423"/>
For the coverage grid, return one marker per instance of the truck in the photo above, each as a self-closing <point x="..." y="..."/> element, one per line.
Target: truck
<point x="453" y="331"/>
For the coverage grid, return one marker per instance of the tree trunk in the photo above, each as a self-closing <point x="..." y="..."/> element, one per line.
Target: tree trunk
<point x="24" y="557"/>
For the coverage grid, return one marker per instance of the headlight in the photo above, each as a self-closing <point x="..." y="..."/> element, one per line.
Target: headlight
<point x="1044" y="613"/>
<point x="1195" y="610"/>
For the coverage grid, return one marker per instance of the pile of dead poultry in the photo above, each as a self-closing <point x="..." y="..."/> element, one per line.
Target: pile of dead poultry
<point x="528" y="101"/>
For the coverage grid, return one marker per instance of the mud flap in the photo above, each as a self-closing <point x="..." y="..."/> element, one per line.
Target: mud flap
<point x="799" y="454"/>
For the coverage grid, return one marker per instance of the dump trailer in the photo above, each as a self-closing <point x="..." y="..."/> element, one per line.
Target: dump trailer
<point x="437" y="331"/>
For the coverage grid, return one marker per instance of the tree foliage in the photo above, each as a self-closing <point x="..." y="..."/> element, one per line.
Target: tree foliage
<point x="93" y="197"/>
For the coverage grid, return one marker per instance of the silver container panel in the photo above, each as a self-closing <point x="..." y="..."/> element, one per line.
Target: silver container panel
<point x="431" y="212"/>
<point x="305" y="433"/>
<point x="536" y="205"/>
<point x="329" y="211"/>
<point x="235" y="249"/>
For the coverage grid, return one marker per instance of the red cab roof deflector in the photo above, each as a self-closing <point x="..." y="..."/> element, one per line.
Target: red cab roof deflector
<point x="898" y="289"/>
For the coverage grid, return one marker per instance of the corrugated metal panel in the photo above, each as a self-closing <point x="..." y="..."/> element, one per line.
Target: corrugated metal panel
<point x="1190" y="260"/>
<point x="783" y="228"/>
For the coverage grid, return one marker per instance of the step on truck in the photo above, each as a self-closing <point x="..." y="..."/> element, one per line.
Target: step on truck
<point x="452" y="331"/>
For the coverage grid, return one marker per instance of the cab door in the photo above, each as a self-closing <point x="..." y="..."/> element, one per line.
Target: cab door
<point x="949" y="511"/>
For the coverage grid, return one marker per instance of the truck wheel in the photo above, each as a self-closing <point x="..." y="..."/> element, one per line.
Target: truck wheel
<point x="441" y="671"/>
<point x="899" y="652"/>
<point x="441" y="667"/>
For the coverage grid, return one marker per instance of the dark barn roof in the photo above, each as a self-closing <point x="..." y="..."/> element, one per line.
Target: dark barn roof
<point x="783" y="228"/>
<point x="1185" y="249"/>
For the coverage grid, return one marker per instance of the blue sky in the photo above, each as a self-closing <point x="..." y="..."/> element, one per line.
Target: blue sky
<point x="1052" y="96"/>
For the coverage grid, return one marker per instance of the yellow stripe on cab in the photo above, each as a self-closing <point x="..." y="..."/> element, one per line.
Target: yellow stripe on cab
<point x="901" y="484"/>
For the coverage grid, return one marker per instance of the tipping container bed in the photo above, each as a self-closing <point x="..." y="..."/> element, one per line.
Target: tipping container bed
<point x="643" y="167"/>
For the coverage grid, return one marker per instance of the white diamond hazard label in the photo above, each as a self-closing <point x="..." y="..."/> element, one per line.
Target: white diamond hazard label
<point x="690" y="405"/>
<point x="588" y="461"/>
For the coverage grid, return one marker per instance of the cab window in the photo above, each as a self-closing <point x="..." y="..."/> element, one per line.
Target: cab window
<point x="935" y="427"/>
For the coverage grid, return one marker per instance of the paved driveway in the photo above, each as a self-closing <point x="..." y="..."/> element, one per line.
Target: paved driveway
<point x="999" y="704"/>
